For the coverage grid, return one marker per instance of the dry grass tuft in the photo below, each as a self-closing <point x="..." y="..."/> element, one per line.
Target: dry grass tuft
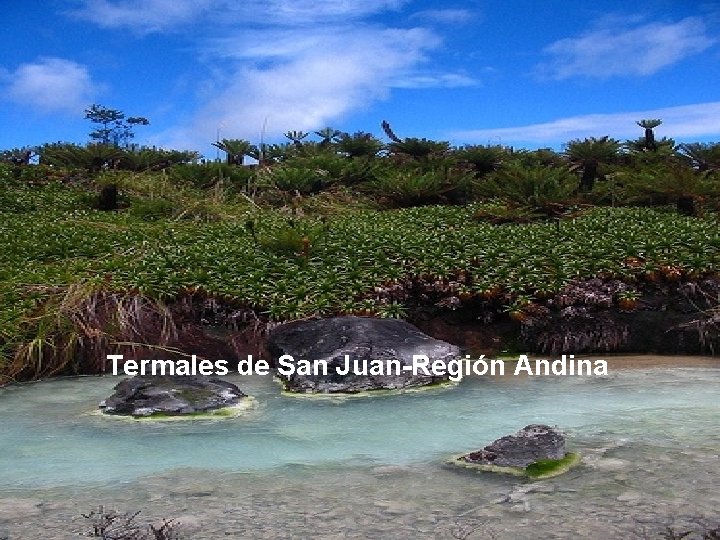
<point x="77" y="325"/>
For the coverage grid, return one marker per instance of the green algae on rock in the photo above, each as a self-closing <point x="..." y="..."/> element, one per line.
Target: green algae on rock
<point x="539" y="470"/>
<point x="547" y="468"/>
<point x="536" y="451"/>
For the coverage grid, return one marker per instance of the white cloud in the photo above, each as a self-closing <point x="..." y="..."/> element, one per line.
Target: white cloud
<point x="698" y="120"/>
<point x="142" y="15"/>
<point x="610" y="51"/>
<point x="326" y="77"/>
<point x="165" y="15"/>
<point x="51" y="85"/>
<point x="313" y="11"/>
<point x="439" y="80"/>
<point x="284" y="64"/>
<point x="445" y="16"/>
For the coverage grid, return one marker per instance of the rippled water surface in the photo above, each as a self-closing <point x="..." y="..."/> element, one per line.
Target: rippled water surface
<point x="371" y="466"/>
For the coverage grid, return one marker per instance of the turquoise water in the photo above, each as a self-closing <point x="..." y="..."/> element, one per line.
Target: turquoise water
<point x="52" y="437"/>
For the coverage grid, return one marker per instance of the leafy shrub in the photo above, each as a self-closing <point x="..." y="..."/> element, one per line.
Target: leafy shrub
<point x="39" y="174"/>
<point x="327" y="164"/>
<point x="287" y="241"/>
<point x="535" y="187"/>
<point x="359" y="144"/>
<point x="293" y="237"/>
<point x="542" y="157"/>
<point x="146" y="158"/>
<point x="359" y="170"/>
<point x="7" y="175"/>
<point x="660" y="185"/>
<point x="498" y="213"/>
<point x="152" y="209"/>
<point x="287" y="178"/>
<point x="420" y="149"/>
<point x="404" y="187"/>
<point x="483" y="159"/>
<point x="206" y="175"/>
<point x="92" y="157"/>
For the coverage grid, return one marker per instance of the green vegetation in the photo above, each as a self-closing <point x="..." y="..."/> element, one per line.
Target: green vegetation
<point x="343" y="225"/>
<point x="544" y="468"/>
<point x="547" y="468"/>
<point x="214" y="414"/>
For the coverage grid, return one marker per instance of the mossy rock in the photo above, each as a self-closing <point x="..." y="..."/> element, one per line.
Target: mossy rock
<point x="194" y="394"/>
<point x="547" y="468"/>
<point x="170" y="395"/>
<point x="540" y="470"/>
<point x="233" y="411"/>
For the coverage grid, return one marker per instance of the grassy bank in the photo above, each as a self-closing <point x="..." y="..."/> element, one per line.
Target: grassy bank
<point x="72" y="276"/>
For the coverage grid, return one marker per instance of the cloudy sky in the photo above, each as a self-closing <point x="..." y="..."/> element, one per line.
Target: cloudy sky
<point x="518" y="72"/>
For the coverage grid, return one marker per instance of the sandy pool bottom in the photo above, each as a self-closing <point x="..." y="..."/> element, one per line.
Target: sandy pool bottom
<point x="627" y="487"/>
<point x="621" y="492"/>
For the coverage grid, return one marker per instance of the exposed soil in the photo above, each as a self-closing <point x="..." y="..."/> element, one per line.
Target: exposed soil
<point x="666" y="318"/>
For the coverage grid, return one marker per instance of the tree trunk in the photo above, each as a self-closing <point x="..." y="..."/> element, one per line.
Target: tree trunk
<point x="650" y="139"/>
<point x="687" y="205"/>
<point x="108" y="198"/>
<point x="587" y="182"/>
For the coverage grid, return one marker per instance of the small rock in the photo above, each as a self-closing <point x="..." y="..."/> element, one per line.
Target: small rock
<point x="532" y="443"/>
<point x="629" y="496"/>
<point x="148" y="395"/>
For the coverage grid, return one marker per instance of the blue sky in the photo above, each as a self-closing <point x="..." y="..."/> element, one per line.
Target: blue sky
<point x="517" y="72"/>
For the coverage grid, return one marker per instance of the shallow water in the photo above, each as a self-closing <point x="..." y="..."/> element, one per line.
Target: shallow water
<point x="370" y="467"/>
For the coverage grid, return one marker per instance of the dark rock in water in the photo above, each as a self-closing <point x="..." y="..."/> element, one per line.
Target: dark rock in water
<point x="170" y="395"/>
<point x="531" y="444"/>
<point x="370" y="344"/>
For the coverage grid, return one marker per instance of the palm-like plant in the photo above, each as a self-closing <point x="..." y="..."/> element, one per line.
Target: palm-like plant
<point x="589" y="154"/>
<point x="267" y="154"/>
<point x="544" y="189"/>
<point x="296" y="137"/>
<point x="637" y="156"/>
<point x="542" y="157"/>
<point x="359" y="144"/>
<point x="413" y="147"/>
<point x="328" y="135"/>
<point x="92" y="157"/>
<point x="235" y="150"/>
<point x="649" y="126"/>
<point x="145" y="159"/>
<point x="411" y="186"/>
<point x="420" y="148"/>
<point x="483" y="159"/>
<point x="674" y="181"/>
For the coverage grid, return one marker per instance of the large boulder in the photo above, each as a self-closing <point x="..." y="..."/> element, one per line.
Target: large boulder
<point x="532" y="443"/>
<point x="368" y="343"/>
<point x="148" y="395"/>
